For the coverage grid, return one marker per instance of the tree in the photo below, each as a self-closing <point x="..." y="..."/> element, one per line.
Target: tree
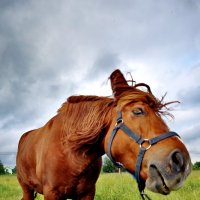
<point x="14" y="170"/>
<point x="6" y="171"/>
<point x="108" y="166"/>
<point x="196" y="166"/>
<point x="2" y="169"/>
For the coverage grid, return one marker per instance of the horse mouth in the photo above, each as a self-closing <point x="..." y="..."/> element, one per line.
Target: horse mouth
<point x="156" y="182"/>
<point x="164" y="189"/>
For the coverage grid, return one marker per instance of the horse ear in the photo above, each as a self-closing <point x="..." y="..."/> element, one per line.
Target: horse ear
<point x="118" y="82"/>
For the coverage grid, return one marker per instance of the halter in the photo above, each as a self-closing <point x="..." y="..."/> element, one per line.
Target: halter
<point x="120" y="125"/>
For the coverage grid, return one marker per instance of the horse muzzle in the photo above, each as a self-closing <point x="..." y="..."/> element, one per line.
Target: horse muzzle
<point x="169" y="174"/>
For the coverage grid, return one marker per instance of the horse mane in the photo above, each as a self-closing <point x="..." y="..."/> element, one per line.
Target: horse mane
<point x="86" y="117"/>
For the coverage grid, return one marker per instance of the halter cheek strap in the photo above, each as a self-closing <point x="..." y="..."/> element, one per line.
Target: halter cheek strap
<point x="139" y="140"/>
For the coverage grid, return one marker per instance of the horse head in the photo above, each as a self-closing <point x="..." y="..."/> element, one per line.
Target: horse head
<point x="141" y="141"/>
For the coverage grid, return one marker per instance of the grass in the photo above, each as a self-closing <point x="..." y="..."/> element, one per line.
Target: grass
<point x="123" y="187"/>
<point x="111" y="187"/>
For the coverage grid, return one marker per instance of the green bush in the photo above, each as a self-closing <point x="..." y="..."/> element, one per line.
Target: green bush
<point x="108" y="166"/>
<point x="196" y="166"/>
<point x="2" y="169"/>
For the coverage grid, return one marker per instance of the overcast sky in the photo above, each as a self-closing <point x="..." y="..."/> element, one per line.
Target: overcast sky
<point x="50" y="50"/>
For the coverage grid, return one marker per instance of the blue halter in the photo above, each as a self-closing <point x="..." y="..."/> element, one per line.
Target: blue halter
<point x="120" y="125"/>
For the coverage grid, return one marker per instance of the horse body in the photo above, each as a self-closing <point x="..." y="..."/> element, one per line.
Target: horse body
<point x="62" y="159"/>
<point x="47" y="167"/>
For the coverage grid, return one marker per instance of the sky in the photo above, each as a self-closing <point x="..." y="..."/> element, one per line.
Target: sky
<point x="50" y="50"/>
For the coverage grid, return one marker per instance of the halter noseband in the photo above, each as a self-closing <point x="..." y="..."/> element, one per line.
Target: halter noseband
<point x="120" y="125"/>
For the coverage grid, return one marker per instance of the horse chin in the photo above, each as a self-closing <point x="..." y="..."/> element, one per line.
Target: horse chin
<point x="156" y="182"/>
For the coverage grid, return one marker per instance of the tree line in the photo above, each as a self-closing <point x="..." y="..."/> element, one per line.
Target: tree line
<point x="4" y="170"/>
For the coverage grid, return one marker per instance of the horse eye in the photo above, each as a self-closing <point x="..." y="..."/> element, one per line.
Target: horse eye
<point x="138" y="112"/>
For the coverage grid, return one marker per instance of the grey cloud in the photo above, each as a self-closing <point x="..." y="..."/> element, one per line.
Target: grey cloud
<point x="190" y="97"/>
<point x="103" y="66"/>
<point x="192" y="134"/>
<point x="10" y="3"/>
<point x="8" y="158"/>
<point x="25" y="78"/>
<point x="192" y="140"/>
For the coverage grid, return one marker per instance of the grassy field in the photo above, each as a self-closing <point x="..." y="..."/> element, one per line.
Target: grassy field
<point x="112" y="187"/>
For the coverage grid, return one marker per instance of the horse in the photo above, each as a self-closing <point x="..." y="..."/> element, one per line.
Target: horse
<point x="63" y="158"/>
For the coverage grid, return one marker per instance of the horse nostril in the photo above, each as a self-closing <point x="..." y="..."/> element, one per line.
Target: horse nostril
<point x="177" y="161"/>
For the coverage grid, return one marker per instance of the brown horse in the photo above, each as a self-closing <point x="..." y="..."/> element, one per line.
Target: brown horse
<point x="62" y="159"/>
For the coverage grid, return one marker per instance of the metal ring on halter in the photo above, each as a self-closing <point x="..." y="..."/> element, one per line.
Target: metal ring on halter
<point x="120" y="121"/>
<point x="144" y="141"/>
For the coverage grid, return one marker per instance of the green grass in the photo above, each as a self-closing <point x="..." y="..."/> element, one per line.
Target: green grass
<point x="124" y="187"/>
<point x="112" y="187"/>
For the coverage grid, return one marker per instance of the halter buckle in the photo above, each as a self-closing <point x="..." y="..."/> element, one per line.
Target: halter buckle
<point x="145" y="141"/>
<point x="144" y="195"/>
<point x="119" y="121"/>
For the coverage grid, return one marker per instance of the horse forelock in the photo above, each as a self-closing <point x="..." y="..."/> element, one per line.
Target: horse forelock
<point x="131" y="94"/>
